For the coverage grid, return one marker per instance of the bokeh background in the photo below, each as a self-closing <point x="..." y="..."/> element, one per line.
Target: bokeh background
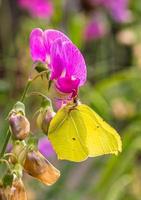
<point x="108" y="33"/>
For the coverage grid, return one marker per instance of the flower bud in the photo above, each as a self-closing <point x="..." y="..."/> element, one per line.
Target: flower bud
<point x="39" y="167"/>
<point x="16" y="192"/>
<point x="20" y="126"/>
<point x="44" y="118"/>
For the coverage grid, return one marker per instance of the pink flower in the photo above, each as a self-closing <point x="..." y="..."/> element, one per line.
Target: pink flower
<point x="9" y="148"/>
<point x="96" y="28"/>
<point x="45" y="147"/>
<point x="117" y="8"/>
<point x="37" y="8"/>
<point x="65" y="62"/>
<point x="58" y="103"/>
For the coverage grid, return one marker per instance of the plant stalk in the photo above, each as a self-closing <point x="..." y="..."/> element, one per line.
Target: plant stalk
<point x="5" y="143"/>
<point x="8" y="135"/>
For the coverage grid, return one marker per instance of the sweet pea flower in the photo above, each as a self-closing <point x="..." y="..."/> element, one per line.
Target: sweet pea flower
<point x="9" y="148"/>
<point x="64" y="60"/>
<point x="117" y="8"/>
<point x="37" y="8"/>
<point x="96" y="28"/>
<point x="45" y="147"/>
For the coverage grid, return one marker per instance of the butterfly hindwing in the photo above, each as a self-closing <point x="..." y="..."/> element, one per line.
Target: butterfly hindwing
<point x="101" y="137"/>
<point x="67" y="133"/>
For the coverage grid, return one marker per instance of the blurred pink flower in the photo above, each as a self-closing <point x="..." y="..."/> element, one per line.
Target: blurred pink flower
<point x="96" y="28"/>
<point x="9" y="148"/>
<point x="65" y="61"/>
<point x="37" y="8"/>
<point x="45" y="147"/>
<point x="117" y="8"/>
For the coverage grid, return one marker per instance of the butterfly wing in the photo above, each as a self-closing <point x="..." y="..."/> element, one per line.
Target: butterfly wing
<point x="67" y="134"/>
<point x="101" y="137"/>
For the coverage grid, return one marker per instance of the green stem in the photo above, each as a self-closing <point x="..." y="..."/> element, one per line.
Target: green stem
<point x="40" y="94"/>
<point x="25" y="90"/>
<point x="22" y="99"/>
<point x="5" y="143"/>
<point x="29" y="83"/>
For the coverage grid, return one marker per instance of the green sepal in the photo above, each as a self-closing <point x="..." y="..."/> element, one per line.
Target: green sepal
<point x="8" y="179"/>
<point x="19" y="107"/>
<point x="45" y="103"/>
<point x="40" y="67"/>
<point x="18" y="170"/>
<point x="32" y="143"/>
<point x="49" y="84"/>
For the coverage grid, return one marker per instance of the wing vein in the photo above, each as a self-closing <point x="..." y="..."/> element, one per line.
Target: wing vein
<point x="60" y="124"/>
<point x="77" y="133"/>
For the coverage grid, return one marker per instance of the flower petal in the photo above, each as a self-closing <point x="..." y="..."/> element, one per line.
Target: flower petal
<point x="96" y="28"/>
<point x="74" y="62"/>
<point x="119" y="10"/>
<point x="37" y="8"/>
<point x="68" y="84"/>
<point x="57" y="64"/>
<point x="41" y="8"/>
<point x="37" y="48"/>
<point x="45" y="147"/>
<point x="51" y="35"/>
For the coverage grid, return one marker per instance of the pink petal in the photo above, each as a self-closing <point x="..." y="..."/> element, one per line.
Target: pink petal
<point x="66" y="60"/>
<point x="41" y="8"/>
<point x="68" y="84"/>
<point x="117" y="8"/>
<point x="57" y="65"/>
<point x="58" y="103"/>
<point x="96" y="27"/>
<point x="45" y="147"/>
<point x="74" y="62"/>
<point x="37" y="8"/>
<point x="9" y="148"/>
<point x="23" y="3"/>
<point x="51" y="35"/>
<point x="37" y="48"/>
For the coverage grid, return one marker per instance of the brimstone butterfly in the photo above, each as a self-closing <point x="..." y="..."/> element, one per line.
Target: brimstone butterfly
<point x="78" y="132"/>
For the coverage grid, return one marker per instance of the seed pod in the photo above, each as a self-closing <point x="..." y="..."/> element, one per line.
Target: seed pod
<point x="16" y="192"/>
<point x="44" y="118"/>
<point x="39" y="167"/>
<point x="19" y="125"/>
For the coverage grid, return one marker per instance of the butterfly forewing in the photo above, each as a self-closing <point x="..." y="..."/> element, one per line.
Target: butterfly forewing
<point x="67" y="133"/>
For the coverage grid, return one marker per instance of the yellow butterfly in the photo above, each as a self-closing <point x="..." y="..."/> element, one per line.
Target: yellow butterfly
<point x="78" y="132"/>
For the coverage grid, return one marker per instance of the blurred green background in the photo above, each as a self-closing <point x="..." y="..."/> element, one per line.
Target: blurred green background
<point x="113" y="89"/>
